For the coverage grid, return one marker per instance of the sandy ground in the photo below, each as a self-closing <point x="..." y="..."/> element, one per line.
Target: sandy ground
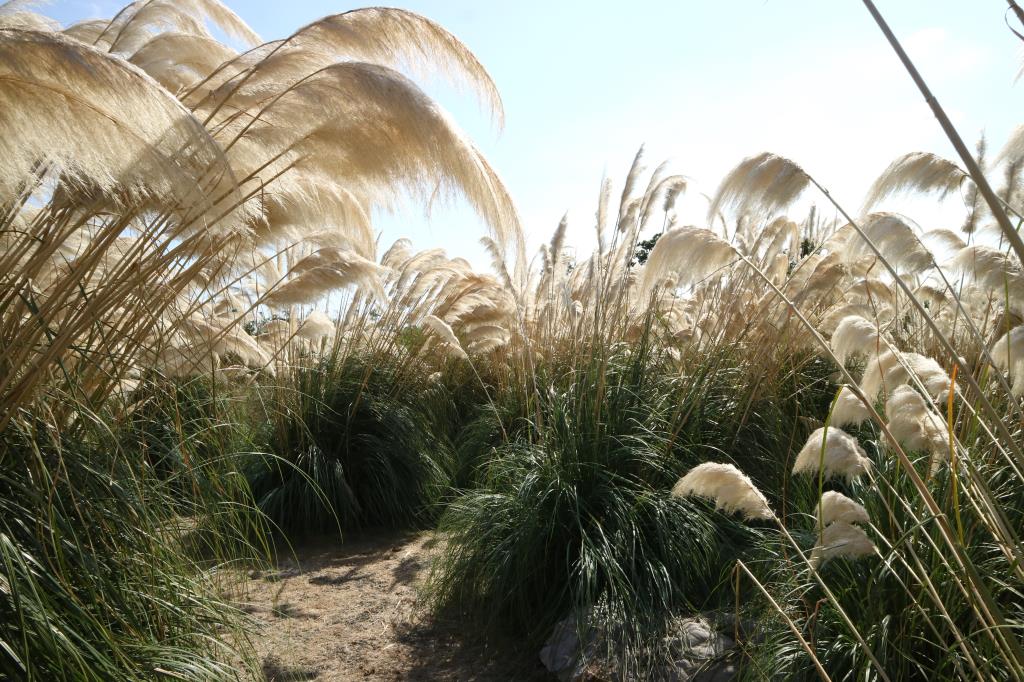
<point x="351" y="611"/>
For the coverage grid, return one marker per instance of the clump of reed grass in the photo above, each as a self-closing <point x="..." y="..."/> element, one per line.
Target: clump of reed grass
<point x="353" y="444"/>
<point x="102" y="572"/>
<point x="571" y="518"/>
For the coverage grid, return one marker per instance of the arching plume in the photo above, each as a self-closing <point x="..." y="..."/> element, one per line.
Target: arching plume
<point x="375" y="132"/>
<point x="1008" y="355"/>
<point x="729" y="487"/>
<point x="386" y="36"/>
<point x="120" y="134"/>
<point x="854" y="336"/>
<point x="316" y="326"/>
<point x="836" y="507"/>
<point x="684" y="256"/>
<point x="842" y="456"/>
<point x="444" y="332"/>
<point x="323" y="271"/>
<point x="139" y="21"/>
<point x="849" y="409"/>
<point x="994" y="270"/>
<point x="895" y="238"/>
<point x="893" y="368"/>
<point x="916" y="427"/>
<point x="841" y="540"/>
<point x="763" y="184"/>
<point x="179" y="60"/>
<point x="918" y="172"/>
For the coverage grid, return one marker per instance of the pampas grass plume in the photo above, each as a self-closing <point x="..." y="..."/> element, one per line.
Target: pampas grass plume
<point x="849" y="409"/>
<point x="843" y="456"/>
<point x="729" y="487"/>
<point x="916" y="427"/>
<point x="1008" y="355"/>
<point x="918" y="171"/>
<point x="764" y="183"/>
<point x="841" y="539"/>
<point x="854" y="335"/>
<point x="316" y="326"/>
<point x="685" y="255"/>
<point x="445" y="333"/>
<point x="838" y="507"/>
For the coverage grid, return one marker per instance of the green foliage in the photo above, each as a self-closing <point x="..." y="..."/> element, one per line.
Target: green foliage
<point x="180" y="428"/>
<point x="98" y="580"/>
<point x="643" y="250"/>
<point x="574" y="516"/>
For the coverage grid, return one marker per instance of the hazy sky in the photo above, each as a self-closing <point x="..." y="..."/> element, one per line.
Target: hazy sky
<point x="703" y="83"/>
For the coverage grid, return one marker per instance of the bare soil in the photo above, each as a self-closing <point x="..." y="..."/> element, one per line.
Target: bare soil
<point x="352" y="611"/>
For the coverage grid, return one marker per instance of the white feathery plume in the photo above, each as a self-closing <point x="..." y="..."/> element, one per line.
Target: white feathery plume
<point x="778" y="268"/>
<point x="670" y="188"/>
<point x="833" y="316"/>
<point x="229" y="303"/>
<point x="836" y="507"/>
<point x="399" y="252"/>
<point x="947" y="239"/>
<point x="931" y="295"/>
<point x="139" y="21"/>
<point x="90" y="32"/>
<point x="764" y="184"/>
<point x="626" y="205"/>
<point x="316" y="326"/>
<point x="853" y="336"/>
<point x="119" y="129"/>
<point x="388" y="36"/>
<point x="383" y="138"/>
<point x="729" y="487"/>
<point x="179" y="60"/>
<point x="819" y="278"/>
<point x="1013" y="150"/>
<point x="849" y="410"/>
<point x="303" y="203"/>
<point x="917" y="171"/>
<point x="916" y="427"/>
<point x="684" y="256"/>
<point x="871" y="291"/>
<point x="445" y="333"/>
<point x="204" y="336"/>
<point x="780" y="236"/>
<point x="324" y="271"/>
<point x="843" y="456"/>
<point x="841" y="539"/>
<point x="929" y="372"/>
<point x="896" y="238"/>
<point x="992" y="269"/>
<point x="890" y="369"/>
<point x="16" y="15"/>
<point x="272" y="340"/>
<point x="1008" y="355"/>
<point x="878" y="367"/>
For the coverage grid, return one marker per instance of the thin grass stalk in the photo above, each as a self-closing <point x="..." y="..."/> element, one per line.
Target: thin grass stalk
<point x="789" y="622"/>
<point x="954" y="137"/>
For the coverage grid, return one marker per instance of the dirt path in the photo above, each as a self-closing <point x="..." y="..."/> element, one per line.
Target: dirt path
<point x="350" y="612"/>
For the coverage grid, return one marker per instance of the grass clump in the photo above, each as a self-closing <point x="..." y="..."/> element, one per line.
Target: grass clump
<point x="98" y="578"/>
<point x="353" y="447"/>
<point x="573" y="518"/>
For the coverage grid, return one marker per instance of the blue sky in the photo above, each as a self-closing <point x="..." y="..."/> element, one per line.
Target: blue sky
<point x="702" y="83"/>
